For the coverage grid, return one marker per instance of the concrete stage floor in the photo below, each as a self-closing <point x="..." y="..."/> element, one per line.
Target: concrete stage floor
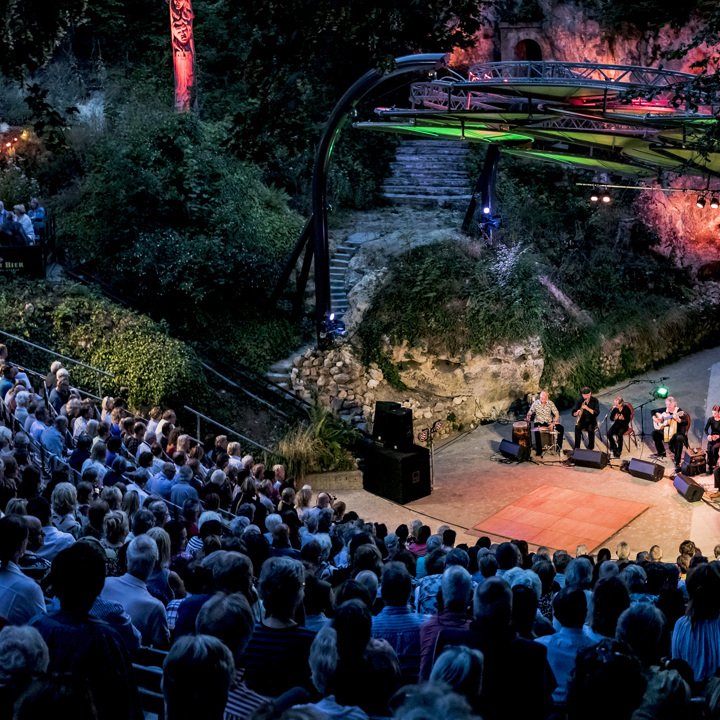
<point x="472" y="481"/>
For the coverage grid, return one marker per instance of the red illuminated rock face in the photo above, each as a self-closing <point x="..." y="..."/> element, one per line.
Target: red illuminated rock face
<point x="687" y="232"/>
<point x="181" y="26"/>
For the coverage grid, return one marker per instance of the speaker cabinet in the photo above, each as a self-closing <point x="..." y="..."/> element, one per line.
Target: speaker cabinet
<point x="646" y="470"/>
<point x="513" y="451"/>
<point x="398" y="476"/>
<point x="688" y="488"/>
<point x="393" y="425"/>
<point x="590" y="458"/>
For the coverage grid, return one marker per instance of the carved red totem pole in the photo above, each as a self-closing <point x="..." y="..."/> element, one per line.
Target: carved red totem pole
<point x="181" y="25"/>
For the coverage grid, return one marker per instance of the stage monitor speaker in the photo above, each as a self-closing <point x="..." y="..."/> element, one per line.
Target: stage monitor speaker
<point x="590" y="458"/>
<point x="513" y="451"/>
<point x="393" y="425"/>
<point x="688" y="488"/>
<point x="398" y="476"/>
<point x="646" y="470"/>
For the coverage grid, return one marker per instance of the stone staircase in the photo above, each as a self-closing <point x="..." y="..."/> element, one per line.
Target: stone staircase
<point x="281" y="372"/>
<point x="428" y="173"/>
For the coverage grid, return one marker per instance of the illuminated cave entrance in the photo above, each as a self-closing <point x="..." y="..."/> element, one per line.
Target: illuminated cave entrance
<point x="528" y="50"/>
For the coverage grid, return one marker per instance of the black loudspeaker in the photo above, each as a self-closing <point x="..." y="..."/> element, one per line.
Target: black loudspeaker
<point x="393" y="425"/>
<point x="398" y="476"/>
<point x="646" y="470"/>
<point x="513" y="451"/>
<point x="688" y="488"/>
<point x="590" y="458"/>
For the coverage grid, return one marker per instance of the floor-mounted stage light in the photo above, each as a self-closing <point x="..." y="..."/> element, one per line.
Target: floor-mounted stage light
<point x="486" y="210"/>
<point x="700" y="202"/>
<point x="714" y="204"/>
<point x="594" y="196"/>
<point x="606" y="197"/>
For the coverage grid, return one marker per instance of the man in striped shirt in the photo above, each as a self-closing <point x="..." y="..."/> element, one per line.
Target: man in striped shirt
<point x="546" y="415"/>
<point x="230" y="619"/>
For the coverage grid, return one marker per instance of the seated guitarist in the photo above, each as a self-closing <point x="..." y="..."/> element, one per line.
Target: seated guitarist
<point x="671" y="428"/>
<point x="586" y="411"/>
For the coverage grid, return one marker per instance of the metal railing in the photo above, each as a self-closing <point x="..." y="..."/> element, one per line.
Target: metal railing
<point x="99" y="372"/>
<point x="226" y="429"/>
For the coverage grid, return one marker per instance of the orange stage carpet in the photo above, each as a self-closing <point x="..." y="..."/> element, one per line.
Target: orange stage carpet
<point x="562" y="519"/>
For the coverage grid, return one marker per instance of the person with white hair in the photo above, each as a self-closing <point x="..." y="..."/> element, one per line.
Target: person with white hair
<point x="64" y="507"/>
<point x="461" y="668"/>
<point x="196" y="543"/>
<point x="457" y="587"/>
<point x="271" y="522"/>
<point x="182" y="490"/>
<point x="22" y="400"/>
<point x="130" y="590"/>
<point x="25" y="221"/>
<point x="23" y="655"/>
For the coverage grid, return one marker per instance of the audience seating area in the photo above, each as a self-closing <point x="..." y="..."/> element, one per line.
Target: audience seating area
<point x="144" y="573"/>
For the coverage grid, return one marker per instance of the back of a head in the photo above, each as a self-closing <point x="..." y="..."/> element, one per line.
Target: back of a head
<point x="610" y="600"/>
<point x="488" y="565"/>
<point x="462" y="669"/>
<point x="353" y="624"/>
<point x="233" y="572"/>
<point x="272" y="521"/>
<point x="13" y="535"/>
<point x="449" y="537"/>
<point x="456" y="585"/>
<point x="23" y="654"/>
<point x="40" y="508"/>
<point x="634" y="579"/>
<point x="561" y="559"/>
<point x="570" y="606"/>
<point x="656" y="553"/>
<point x="493" y="603"/>
<point x="597" y="670"/>
<point x="60" y="696"/>
<point x="396" y="584"/>
<point x="228" y="618"/>
<point x="281" y="585"/>
<point x="507" y="556"/>
<point x="579" y="572"/>
<point x="370" y="580"/>
<point x="142" y="556"/>
<point x="353" y="589"/>
<point x="703" y="585"/>
<point x="197" y="675"/>
<point x="78" y="577"/>
<point x="430" y="702"/>
<point x="644" y="628"/>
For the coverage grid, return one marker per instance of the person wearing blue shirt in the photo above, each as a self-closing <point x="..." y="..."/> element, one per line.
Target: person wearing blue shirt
<point x="182" y="490"/>
<point x="8" y="380"/>
<point x="53" y="438"/>
<point x="161" y="484"/>
<point x="36" y="215"/>
<point x="563" y="647"/>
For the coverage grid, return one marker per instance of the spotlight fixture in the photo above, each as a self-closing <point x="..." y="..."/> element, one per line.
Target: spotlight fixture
<point x="661" y="392"/>
<point x="486" y="210"/>
<point x="594" y="195"/>
<point x="606" y="197"/>
<point x="331" y="327"/>
<point x="700" y="202"/>
<point x="714" y="204"/>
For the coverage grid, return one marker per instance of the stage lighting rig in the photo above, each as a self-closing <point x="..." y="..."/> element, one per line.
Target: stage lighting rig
<point x="714" y="204"/>
<point x="700" y="202"/>
<point x="332" y="327"/>
<point x="606" y="197"/>
<point x="594" y="195"/>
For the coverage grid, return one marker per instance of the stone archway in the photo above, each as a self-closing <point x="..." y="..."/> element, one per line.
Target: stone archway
<point x="528" y="50"/>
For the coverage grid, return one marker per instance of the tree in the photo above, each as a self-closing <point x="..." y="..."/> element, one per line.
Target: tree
<point x="31" y="29"/>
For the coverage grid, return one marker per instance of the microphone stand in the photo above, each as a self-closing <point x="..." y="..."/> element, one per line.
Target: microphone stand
<point x="642" y="417"/>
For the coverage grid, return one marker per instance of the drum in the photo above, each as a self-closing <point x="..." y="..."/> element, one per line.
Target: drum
<point x="521" y="434"/>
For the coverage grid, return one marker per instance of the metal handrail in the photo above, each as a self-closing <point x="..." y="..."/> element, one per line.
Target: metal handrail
<point x="227" y="429"/>
<point x="52" y="352"/>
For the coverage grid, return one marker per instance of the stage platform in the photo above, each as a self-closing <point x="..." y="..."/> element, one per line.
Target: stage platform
<point x="474" y="484"/>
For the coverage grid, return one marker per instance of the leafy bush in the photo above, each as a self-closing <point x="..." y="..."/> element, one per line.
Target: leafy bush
<point x="149" y="366"/>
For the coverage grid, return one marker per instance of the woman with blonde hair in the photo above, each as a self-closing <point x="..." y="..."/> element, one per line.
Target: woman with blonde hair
<point x="107" y="407"/>
<point x="163" y="583"/>
<point x="131" y="504"/>
<point x="92" y="429"/>
<point x="115" y="531"/>
<point x="64" y="506"/>
<point x="98" y="453"/>
<point x="303" y="500"/>
<point x="155" y="417"/>
<point x="234" y="450"/>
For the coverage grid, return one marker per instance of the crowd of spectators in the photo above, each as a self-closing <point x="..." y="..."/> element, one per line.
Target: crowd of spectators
<point x="125" y="546"/>
<point x="21" y="227"/>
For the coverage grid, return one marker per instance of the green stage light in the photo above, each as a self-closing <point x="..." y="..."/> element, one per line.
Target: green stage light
<point x="661" y="392"/>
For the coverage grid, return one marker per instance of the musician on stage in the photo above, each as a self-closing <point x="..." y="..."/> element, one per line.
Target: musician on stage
<point x="620" y="419"/>
<point x="546" y="415"/>
<point x="712" y="429"/>
<point x="671" y="428"/>
<point x="585" y="412"/>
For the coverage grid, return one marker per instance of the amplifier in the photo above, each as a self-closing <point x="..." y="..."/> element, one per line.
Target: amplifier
<point x="693" y="462"/>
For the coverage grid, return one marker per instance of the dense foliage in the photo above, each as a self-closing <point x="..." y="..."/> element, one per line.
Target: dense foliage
<point x="149" y="367"/>
<point x="458" y="296"/>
